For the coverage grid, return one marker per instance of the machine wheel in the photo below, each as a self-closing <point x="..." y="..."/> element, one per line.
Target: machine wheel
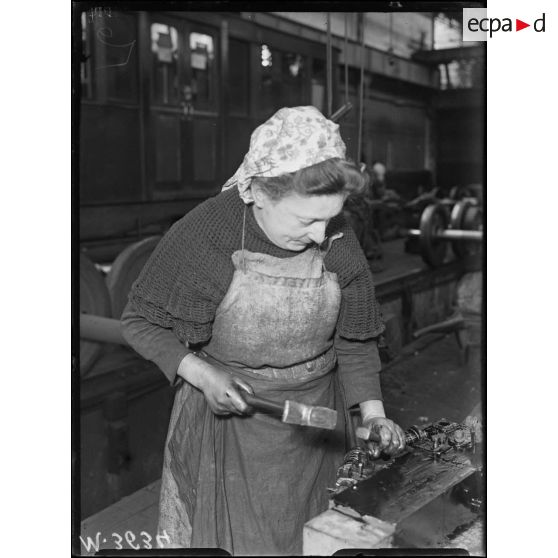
<point x="434" y="219"/>
<point x="93" y="299"/>
<point x="466" y="216"/>
<point x="125" y="270"/>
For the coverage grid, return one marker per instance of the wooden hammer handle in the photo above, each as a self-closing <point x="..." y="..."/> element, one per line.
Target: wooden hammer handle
<point x="264" y="404"/>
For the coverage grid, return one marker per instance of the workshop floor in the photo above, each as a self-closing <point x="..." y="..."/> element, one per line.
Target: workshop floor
<point x="427" y="382"/>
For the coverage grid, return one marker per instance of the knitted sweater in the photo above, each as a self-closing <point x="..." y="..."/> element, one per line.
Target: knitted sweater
<point x="157" y="323"/>
<point x="190" y="271"/>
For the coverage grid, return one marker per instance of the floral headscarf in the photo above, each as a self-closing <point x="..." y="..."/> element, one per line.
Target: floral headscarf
<point x="292" y="139"/>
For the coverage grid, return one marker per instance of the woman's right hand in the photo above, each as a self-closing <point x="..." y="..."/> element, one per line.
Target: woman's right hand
<point x="220" y="388"/>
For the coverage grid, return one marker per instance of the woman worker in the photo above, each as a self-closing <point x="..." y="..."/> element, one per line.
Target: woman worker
<point x="262" y="289"/>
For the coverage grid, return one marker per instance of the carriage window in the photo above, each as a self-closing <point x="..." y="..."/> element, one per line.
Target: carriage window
<point x="353" y="93"/>
<point x="282" y="80"/>
<point x="201" y="62"/>
<point x="295" y="64"/>
<point x="293" y="72"/>
<point x="164" y="49"/>
<point x="318" y="84"/>
<point x="354" y="81"/>
<point x="267" y="58"/>
<point x="270" y="84"/>
<point x="85" y="62"/>
<point x="118" y="35"/>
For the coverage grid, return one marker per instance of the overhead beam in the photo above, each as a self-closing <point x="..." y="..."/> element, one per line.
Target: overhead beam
<point x="446" y="55"/>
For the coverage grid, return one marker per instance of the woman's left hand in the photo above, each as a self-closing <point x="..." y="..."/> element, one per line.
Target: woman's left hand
<point x="392" y="437"/>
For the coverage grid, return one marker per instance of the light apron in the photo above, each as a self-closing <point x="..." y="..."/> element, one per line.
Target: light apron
<point x="248" y="484"/>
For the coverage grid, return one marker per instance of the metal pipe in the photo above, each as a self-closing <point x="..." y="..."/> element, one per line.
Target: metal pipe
<point x="452" y="234"/>
<point x="329" y="67"/>
<point x="339" y="113"/>
<point x="99" y="328"/>
<point x="449" y="325"/>
<point x="456" y="234"/>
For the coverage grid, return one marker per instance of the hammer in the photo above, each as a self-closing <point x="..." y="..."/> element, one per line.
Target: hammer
<point x="292" y="412"/>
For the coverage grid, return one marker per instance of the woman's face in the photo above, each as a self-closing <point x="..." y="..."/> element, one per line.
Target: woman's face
<point x="295" y="221"/>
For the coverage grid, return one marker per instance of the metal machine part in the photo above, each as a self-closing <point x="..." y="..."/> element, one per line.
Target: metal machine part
<point x="434" y="439"/>
<point x="463" y="229"/>
<point x="439" y="437"/>
<point x="357" y="465"/>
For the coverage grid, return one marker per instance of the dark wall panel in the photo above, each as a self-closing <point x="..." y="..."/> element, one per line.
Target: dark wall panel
<point x="167" y="148"/>
<point x="147" y="420"/>
<point x="205" y="149"/>
<point x="110" y="168"/>
<point x="395" y="133"/>
<point x="460" y="146"/>
<point x="239" y="77"/>
<point x="238" y="142"/>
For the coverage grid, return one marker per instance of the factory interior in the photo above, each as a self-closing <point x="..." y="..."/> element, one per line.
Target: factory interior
<point x="167" y="104"/>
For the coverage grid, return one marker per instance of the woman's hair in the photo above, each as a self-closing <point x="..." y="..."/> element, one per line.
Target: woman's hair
<point x="332" y="176"/>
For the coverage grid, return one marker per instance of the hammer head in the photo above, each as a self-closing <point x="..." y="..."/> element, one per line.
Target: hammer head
<point x="308" y="415"/>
